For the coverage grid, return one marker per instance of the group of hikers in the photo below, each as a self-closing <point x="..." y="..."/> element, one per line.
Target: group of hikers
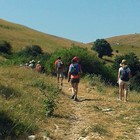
<point x="73" y="74"/>
<point x="74" y="71"/>
<point x="36" y="66"/>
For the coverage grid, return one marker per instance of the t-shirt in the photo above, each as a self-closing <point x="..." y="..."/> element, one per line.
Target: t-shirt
<point x="74" y="70"/>
<point x="127" y="70"/>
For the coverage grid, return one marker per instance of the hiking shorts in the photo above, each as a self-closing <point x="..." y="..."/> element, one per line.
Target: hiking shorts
<point x="60" y="73"/>
<point x="121" y="82"/>
<point x="75" y="80"/>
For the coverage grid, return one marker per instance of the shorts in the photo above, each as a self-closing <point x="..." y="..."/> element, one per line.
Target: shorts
<point x="60" y="73"/>
<point x="123" y="82"/>
<point x="75" y="80"/>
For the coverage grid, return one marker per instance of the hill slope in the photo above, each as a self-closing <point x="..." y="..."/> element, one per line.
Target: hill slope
<point x="131" y="40"/>
<point x="97" y="115"/>
<point x="20" y="36"/>
<point x="125" y="44"/>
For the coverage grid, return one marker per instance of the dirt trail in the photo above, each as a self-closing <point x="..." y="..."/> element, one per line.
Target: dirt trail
<point x="94" y="110"/>
<point x="81" y="113"/>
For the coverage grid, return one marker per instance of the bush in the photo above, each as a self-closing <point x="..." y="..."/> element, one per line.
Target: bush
<point x="34" y="51"/>
<point x="135" y="82"/>
<point x="132" y="61"/>
<point x="51" y="100"/>
<point x="90" y="63"/>
<point x="5" y="47"/>
<point x="134" y="65"/>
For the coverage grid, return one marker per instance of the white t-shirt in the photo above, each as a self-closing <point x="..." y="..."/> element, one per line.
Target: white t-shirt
<point x="121" y="68"/>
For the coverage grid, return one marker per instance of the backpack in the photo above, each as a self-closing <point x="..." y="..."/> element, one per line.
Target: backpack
<point x="59" y="64"/>
<point x="74" y="69"/>
<point x="124" y="75"/>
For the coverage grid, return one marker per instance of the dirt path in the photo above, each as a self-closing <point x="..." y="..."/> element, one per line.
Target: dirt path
<point x="96" y="116"/>
<point x="81" y="113"/>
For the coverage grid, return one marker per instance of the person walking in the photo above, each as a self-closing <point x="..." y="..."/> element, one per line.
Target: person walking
<point x="124" y="75"/>
<point x="73" y="77"/>
<point x="59" y="68"/>
<point x="38" y="67"/>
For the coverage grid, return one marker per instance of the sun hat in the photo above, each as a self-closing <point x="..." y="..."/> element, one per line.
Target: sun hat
<point x="123" y="63"/>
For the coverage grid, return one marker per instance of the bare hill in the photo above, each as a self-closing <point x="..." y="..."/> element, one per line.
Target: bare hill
<point x="21" y="36"/>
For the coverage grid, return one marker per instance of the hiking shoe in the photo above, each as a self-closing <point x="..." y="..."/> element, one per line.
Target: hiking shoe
<point x="75" y="99"/>
<point x="73" y="96"/>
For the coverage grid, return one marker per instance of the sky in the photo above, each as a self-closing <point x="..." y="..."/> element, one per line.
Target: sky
<point x="77" y="20"/>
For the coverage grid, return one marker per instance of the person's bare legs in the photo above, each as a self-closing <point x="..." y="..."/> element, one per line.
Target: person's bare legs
<point x="74" y="90"/>
<point x="120" y="91"/>
<point x="62" y="77"/>
<point x="125" y="92"/>
<point x="58" y="76"/>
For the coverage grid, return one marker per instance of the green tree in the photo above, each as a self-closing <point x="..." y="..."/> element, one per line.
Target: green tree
<point x="5" y="47"/>
<point x="102" y="47"/>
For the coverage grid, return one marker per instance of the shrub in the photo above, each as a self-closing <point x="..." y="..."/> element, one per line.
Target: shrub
<point x="135" y="82"/>
<point x="132" y="61"/>
<point x="51" y="100"/>
<point x="90" y="63"/>
<point x="134" y="65"/>
<point x="34" y="51"/>
<point x="87" y="60"/>
<point x="5" y="47"/>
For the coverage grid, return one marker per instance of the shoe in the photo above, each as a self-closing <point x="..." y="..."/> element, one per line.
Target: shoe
<point x="73" y="96"/>
<point x="75" y="99"/>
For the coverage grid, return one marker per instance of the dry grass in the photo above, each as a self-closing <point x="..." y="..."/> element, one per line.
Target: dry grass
<point x="20" y="36"/>
<point x="98" y="115"/>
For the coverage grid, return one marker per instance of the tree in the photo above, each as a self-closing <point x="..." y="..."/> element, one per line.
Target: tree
<point x="102" y="47"/>
<point x="5" y="47"/>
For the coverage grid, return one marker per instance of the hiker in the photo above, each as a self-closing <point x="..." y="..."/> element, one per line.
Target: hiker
<point x="32" y="64"/>
<point x="59" y="68"/>
<point x="124" y="75"/>
<point x="38" y="67"/>
<point x="77" y="60"/>
<point x="73" y="77"/>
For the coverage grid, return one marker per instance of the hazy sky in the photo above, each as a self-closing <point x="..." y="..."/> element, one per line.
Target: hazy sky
<point x="78" y="20"/>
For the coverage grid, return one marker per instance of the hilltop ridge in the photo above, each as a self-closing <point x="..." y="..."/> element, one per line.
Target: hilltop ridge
<point x="21" y="36"/>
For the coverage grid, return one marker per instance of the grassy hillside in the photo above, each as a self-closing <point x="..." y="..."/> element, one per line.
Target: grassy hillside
<point x="126" y="43"/>
<point x="20" y="36"/>
<point x="98" y="114"/>
<point x="131" y="40"/>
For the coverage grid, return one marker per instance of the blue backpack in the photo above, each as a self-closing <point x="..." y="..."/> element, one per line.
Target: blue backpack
<point x="124" y="75"/>
<point x="74" y="69"/>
